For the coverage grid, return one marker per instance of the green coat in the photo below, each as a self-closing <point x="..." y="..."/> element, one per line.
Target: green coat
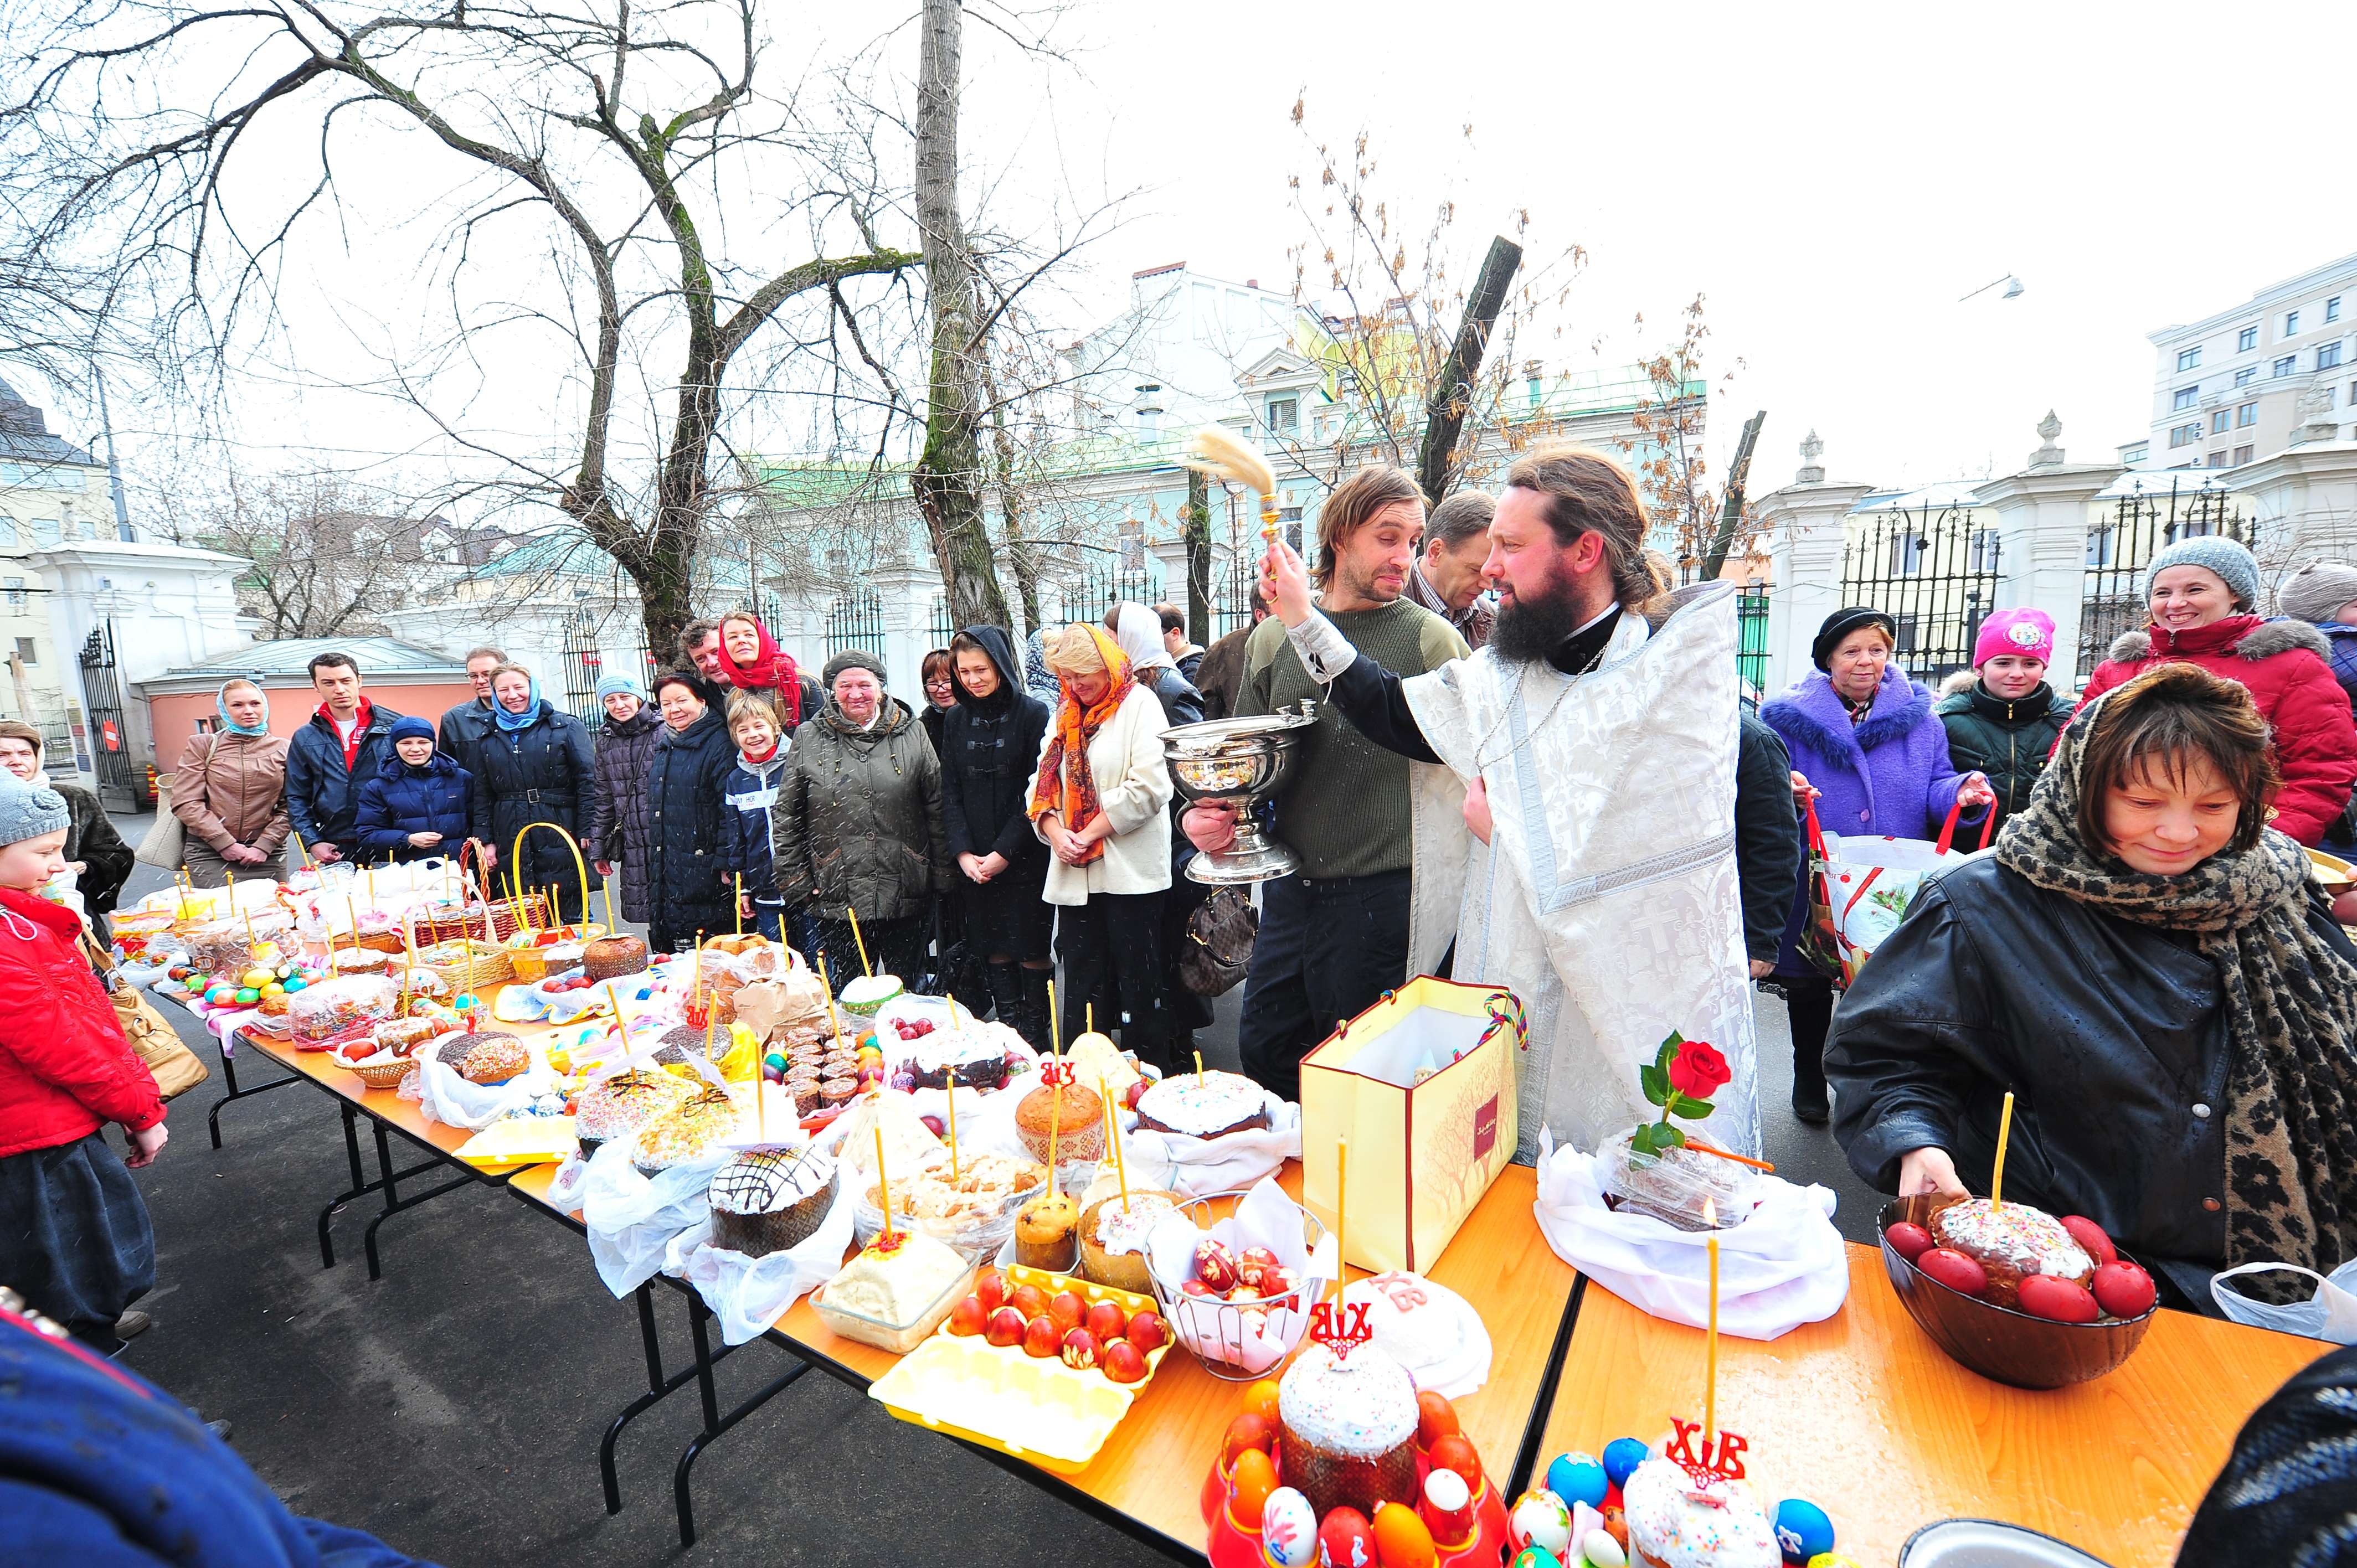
<point x="858" y="817"/>
<point x="2008" y="741"/>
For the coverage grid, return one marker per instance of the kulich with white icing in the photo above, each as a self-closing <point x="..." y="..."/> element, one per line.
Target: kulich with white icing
<point x="1203" y="1105"/>
<point x="1346" y="1429"/>
<point x="1674" y="1523"/>
<point x="1122" y="1228"/>
<point x="2012" y="1243"/>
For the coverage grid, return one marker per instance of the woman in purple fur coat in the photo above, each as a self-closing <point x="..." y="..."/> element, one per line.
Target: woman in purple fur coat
<point x="1867" y="748"/>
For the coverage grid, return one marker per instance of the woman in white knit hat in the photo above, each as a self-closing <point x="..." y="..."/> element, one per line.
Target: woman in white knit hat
<point x="2203" y="596"/>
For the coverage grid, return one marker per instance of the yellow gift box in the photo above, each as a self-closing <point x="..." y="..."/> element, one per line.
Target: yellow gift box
<point x="1423" y="1085"/>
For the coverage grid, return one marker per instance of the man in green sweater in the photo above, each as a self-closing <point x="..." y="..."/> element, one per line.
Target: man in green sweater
<point x="1334" y="937"/>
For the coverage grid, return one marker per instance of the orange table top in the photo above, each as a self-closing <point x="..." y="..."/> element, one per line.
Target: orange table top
<point x="384" y="1103"/>
<point x="1863" y="1415"/>
<point x="1152" y="1468"/>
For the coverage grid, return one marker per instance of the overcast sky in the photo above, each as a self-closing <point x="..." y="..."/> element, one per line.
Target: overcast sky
<point x="1832" y="182"/>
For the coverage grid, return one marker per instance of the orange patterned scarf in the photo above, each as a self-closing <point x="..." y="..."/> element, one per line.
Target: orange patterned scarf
<point x="1065" y="784"/>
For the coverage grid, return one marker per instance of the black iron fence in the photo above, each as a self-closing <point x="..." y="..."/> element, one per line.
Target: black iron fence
<point x="942" y="626"/>
<point x="856" y="620"/>
<point x="584" y="667"/>
<point x="2122" y="544"/>
<point x="1231" y="596"/>
<point x="120" y="783"/>
<point x="1933" y="570"/>
<point x="1102" y="584"/>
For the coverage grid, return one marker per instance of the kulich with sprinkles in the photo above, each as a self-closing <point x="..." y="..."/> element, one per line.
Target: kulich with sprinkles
<point x="2012" y="1243"/>
<point x="1203" y="1105"/>
<point x="1346" y="1426"/>
<point x="1676" y="1522"/>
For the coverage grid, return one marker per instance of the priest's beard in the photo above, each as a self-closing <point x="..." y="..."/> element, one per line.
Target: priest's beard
<point x="1529" y="629"/>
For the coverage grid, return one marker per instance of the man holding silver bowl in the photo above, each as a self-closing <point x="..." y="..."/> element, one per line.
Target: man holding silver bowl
<point x="1334" y="936"/>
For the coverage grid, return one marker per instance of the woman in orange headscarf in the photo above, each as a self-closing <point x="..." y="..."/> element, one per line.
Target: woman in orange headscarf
<point x="1100" y="800"/>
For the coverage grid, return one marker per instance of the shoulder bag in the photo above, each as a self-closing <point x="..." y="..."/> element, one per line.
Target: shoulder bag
<point x="1218" y="947"/>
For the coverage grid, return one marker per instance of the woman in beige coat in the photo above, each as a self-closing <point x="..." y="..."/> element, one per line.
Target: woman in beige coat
<point x="1100" y="800"/>
<point x="230" y="792"/>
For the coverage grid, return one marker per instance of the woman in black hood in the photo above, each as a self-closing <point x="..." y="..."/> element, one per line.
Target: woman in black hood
<point x="990" y="748"/>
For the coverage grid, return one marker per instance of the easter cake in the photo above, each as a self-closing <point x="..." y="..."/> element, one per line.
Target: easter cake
<point x="769" y="1200"/>
<point x="2011" y="1243"/>
<point x="1203" y="1104"/>
<point x="1677" y="1522"/>
<point x="1346" y="1429"/>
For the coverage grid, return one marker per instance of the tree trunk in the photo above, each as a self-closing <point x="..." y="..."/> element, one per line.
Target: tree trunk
<point x="948" y="479"/>
<point x="1195" y="519"/>
<point x="1738" y="474"/>
<point x="1452" y="390"/>
<point x="1010" y="503"/>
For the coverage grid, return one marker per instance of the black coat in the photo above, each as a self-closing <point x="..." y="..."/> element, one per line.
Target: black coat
<point x="2112" y="1036"/>
<point x="1769" y="844"/>
<point x="2009" y="741"/>
<point x="686" y="870"/>
<point x="323" y="796"/>
<point x="990" y="748"/>
<point x="541" y="773"/>
<point x="461" y="730"/>
<point x="618" y="818"/>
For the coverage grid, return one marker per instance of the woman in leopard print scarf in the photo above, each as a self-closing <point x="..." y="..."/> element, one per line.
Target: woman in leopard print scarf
<point x="2288" y="994"/>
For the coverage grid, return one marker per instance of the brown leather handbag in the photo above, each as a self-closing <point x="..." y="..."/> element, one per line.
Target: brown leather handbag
<point x="177" y="1069"/>
<point x="1218" y="947"/>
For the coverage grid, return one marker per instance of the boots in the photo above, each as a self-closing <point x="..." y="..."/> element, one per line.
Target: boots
<point x="1031" y="1016"/>
<point x="1006" y="993"/>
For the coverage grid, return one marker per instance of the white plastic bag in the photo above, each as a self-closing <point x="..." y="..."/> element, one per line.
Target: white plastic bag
<point x="1198" y="1167"/>
<point x="2330" y="1314"/>
<point x="633" y="1218"/>
<point x="748" y="1294"/>
<point x="1782" y="1267"/>
<point x="445" y="1097"/>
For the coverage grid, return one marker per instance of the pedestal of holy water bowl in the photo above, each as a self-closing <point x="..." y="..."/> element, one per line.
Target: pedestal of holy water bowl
<point x="1238" y="763"/>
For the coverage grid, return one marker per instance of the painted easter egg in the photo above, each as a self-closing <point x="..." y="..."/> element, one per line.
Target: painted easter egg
<point x="1539" y="1518"/>
<point x="1802" y="1531"/>
<point x="1288" y="1528"/>
<point x="1579" y="1478"/>
<point x="1621" y="1458"/>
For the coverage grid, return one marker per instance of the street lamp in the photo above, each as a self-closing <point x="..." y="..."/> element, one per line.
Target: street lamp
<point x="2012" y="289"/>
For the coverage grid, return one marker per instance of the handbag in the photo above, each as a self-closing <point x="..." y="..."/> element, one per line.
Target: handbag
<point x="1219" y="945"/>
<point x="177" y="1069"/>
<point x="166" y="842"/>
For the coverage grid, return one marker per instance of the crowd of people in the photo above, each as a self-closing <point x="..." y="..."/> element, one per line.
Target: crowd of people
<point x="2143" y="963"/>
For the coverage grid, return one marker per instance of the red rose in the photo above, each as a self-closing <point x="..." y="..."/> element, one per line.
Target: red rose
<point x="1698" y="1070"/>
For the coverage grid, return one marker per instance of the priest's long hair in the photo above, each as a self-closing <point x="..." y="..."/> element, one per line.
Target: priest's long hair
<point x="1588" y="492"/>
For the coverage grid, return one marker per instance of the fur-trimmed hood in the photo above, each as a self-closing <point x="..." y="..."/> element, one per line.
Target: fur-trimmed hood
<point x="1813" y="711"/>
<point x="2245" y="636"/>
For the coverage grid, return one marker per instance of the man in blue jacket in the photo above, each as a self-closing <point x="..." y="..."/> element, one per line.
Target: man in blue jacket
<point x="348" y="742"/>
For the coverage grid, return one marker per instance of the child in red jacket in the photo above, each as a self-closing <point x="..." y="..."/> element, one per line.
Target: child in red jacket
<point x="74" y="1237"/>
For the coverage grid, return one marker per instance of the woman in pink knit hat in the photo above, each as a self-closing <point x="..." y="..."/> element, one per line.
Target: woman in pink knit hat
<point x="2004" y="724"/>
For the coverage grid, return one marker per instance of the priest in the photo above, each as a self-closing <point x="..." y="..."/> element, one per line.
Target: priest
<point x="1581" y="819"/>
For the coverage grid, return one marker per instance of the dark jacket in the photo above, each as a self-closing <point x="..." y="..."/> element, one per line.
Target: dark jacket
<point x="686" y="872"/>
<point x="990" y="748"/>
<point x="2112" y="1036"/>
<point x="750" y="796"/>
<point x="2009" y="741"/>
<point x="435" y="798"/>
<point x="91" y="838"/>
<point x="540" y="773"/>
<point x="1221" y="673"/>
<point x="1769" y="844"/>
<point x="618" y="818"/>
<point x="461" y="730"/>
<point x="1189" y="664"/>
<point x="859" y="816"/>
<point x="323" y="797"/>
<point x="1181" y="703"/>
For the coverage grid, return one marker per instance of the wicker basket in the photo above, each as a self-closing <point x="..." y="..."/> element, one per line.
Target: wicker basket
<point x="385" y="1075"/>
<point x="507" y="917"/>
<point x="490" y="967"/>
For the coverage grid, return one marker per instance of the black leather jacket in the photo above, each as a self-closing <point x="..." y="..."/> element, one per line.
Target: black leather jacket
<point x="2112" y="1036"/>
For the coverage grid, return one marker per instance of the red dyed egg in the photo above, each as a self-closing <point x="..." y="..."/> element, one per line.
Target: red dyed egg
<point x="1434" y="1417"/>
<point x="2064" y="1301"/>
<point x="1246" y="1430"/>
<point x="1215" y="1267"/>
<point x="1125" y="1362"/>
<point x="1909" y="1240"/>
<point x="1149" y="1332"/>
<point x="1080" y="1350"/>
<point x="1106" y="1320"/>
<point x="1006" y="1327"/>
<point x="1454" y="1451"/>
<point x="2123" y="1290"/>
<point x="1345" y="1540"/>
<point x="2090" y="1238"/>
<point x="1029" y="1300"/>
<point x="1955" y="1270"/>
<point x="1068" y="1308"/>
<point x="1041" y="1337"/>
<point x="968" y="1318"/>
<point x="990" y="1289"/>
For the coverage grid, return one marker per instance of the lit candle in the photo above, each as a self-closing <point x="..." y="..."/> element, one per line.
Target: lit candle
<point x="1996" y="1172"/>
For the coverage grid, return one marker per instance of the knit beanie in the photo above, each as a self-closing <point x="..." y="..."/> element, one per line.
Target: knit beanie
<point x="410" y="728"/>
<point x="851" y="659"/>
<point x="620" y="686"/>
<point x="2023" y="632"/>
<point x="1839" y="625"/>
<point x="28" y="811"/>
<point x="2217" y="554"/>
<point x="2317" y="591"/>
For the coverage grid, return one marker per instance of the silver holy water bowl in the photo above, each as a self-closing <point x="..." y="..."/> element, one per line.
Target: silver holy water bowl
<point x="1238" y="763"/>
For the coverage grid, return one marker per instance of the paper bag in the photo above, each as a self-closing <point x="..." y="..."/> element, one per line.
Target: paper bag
<point x="769" y="1008"/>
<point x="1861" y="886"/>
<point x="1423" y="1085"/>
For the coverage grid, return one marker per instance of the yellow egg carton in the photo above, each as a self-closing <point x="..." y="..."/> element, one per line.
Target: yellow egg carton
<point x="1033" y="1408"/>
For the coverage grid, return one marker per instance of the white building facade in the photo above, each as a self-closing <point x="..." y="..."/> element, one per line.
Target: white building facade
<point x="2233" y="386"/>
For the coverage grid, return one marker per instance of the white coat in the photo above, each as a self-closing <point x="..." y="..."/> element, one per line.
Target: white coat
<point x="1134" y="791"/>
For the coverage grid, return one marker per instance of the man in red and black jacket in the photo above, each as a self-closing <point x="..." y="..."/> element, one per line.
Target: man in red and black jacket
<point x="348" y="742"/>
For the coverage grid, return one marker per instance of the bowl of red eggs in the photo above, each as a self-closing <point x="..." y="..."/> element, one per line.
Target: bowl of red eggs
<point x="2062" y="1333"/>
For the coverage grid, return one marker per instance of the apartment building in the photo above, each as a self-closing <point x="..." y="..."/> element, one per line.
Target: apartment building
<point x="2233" y="387"/>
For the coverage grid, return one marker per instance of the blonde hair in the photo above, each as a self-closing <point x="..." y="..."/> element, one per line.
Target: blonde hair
<point x="1072" y="652"/>
<point x="745" y="706"/>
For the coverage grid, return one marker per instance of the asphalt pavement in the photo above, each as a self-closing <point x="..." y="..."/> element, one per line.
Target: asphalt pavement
<point x="454" y="1407"/>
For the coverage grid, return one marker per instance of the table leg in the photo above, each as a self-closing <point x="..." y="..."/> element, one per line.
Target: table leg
<point x="656" y="1388"/>
<point x="360" y="1183"/>
<point x="229" y="1077"/>
<point x="714" y="1424"/>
